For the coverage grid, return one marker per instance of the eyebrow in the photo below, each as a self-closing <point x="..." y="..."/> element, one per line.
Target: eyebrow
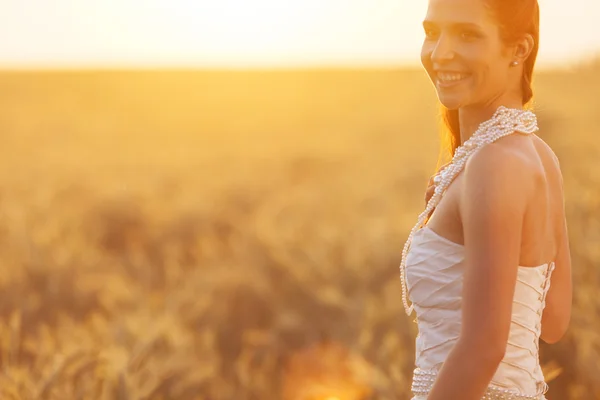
<point x="427" y="23"/>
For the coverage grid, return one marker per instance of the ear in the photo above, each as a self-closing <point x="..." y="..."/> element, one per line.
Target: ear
<point x="523" y="48"/>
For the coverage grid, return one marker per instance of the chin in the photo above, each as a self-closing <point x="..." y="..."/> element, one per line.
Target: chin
<point x="450" y="102"/>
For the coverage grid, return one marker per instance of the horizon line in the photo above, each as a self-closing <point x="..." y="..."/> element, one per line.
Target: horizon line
<point x="16" y="67"/>
<point x="550" y="63"/>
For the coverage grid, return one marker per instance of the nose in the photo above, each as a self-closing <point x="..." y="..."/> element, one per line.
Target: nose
<point x="443" y="50"/>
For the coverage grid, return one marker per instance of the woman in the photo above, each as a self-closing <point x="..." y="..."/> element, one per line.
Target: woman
<point x="478" y="264"/>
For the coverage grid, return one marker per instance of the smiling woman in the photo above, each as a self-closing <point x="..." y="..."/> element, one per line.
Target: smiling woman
<point x="478" y="264"/>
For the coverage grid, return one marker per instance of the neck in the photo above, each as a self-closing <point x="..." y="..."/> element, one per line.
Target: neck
<point x="471" y="117"/>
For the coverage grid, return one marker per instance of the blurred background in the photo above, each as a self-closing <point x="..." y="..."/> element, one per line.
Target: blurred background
<point x="208" y="200"/>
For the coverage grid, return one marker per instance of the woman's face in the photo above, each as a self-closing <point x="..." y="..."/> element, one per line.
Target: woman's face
<point x="463" y="54"/>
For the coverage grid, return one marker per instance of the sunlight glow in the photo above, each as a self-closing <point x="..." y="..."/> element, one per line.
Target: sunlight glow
<point x="260" y="32"/>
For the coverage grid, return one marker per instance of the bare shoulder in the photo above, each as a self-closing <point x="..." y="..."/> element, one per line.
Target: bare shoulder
<point x="549" y="159"/>
<point x="502" y="166"/>
<point x="498" y="186"/>
<point x="545" y="148"/>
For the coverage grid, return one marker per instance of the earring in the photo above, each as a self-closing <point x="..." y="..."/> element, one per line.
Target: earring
<point x="514" y="63"/>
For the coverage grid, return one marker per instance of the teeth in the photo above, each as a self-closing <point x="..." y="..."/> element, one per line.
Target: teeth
<point x="449" y="77"/>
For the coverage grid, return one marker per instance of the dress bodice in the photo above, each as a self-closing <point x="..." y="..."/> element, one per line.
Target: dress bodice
<point x="434" y="276"/>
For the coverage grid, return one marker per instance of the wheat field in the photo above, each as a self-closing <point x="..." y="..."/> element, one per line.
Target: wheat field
<point x="236" y="235"/>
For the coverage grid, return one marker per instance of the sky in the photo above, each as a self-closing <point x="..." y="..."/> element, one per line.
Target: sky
<point x="251" y="33"/>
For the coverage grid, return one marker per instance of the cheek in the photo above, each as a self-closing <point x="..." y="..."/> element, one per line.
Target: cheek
<point x="426" y="58"/>
<point x="425" y="55"/>
<point x="493" y="73"/>
<point x="486" y="60"/>
<point x="484" y="66"/>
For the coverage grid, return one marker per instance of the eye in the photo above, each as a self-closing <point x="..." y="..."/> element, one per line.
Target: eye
<point x="468" y="35"/>
<point x="429" y="33"/>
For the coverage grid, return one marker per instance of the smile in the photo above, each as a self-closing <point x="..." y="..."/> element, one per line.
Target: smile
<point x="446" y="80"/>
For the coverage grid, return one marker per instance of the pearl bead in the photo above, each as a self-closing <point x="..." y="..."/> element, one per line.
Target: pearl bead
<point x="423" y="381"/>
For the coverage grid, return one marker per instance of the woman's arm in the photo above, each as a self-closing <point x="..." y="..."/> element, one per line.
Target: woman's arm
<point x="557" y="313"/>
<point x="496" y="189"/>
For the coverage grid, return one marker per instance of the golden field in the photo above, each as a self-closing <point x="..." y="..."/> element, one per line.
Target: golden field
<point x="236" y="235"/>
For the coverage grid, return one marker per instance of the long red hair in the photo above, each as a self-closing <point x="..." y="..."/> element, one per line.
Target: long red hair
<point x="515" y="18"/>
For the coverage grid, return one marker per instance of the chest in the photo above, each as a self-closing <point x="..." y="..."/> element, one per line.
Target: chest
<point x="446" y="219"/>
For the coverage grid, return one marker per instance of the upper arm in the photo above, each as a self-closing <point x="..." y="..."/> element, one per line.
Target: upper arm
<point x="557" y="313"/>
<point x="496" y="189"/>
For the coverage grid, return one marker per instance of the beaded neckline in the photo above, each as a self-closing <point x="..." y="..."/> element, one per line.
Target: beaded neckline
<point x="504" y="122"/>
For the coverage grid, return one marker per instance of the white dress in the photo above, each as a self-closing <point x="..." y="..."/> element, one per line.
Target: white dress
<point x="434" y="276"/>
